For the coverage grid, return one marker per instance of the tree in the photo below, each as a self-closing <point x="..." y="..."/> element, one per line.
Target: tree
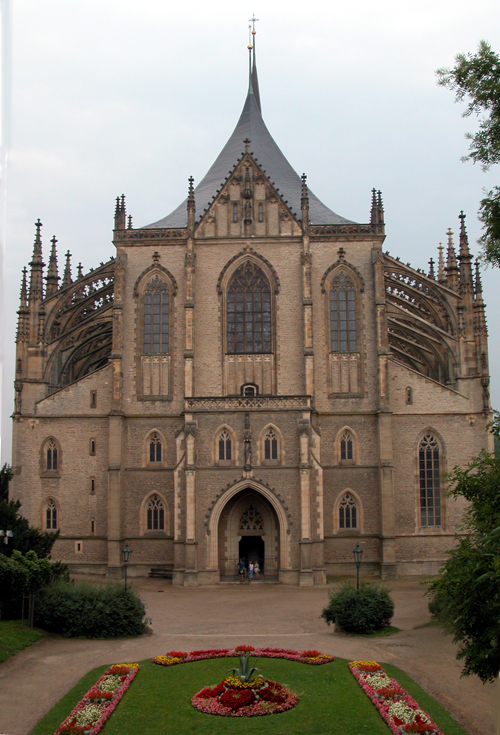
<point x="465" y="597"/>
<point x="476" y="79"/>
<point x="25" y="537"/>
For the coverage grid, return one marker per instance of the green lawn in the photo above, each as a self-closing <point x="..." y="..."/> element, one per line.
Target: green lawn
<point x="14" y="636"/>
<point x="331" y="702"/>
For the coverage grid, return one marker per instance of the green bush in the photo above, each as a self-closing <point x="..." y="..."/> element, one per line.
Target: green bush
<point x="89" y="611"/>
<point x="359" y="611"/>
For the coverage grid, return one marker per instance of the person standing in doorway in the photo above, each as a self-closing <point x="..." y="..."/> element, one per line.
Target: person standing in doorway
<point x="250" y="571"/>
<point x="256" y="570"/>
<point x="241" y="570"/>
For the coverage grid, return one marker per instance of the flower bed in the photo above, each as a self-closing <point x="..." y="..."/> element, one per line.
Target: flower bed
<point x="232" y="698"/>
<point x="400" y="711"/>
<point x="183" y="657"/>
<point x="92" y="711"/>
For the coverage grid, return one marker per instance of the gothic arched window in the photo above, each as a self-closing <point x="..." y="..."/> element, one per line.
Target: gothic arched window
<point x="156" y="317"/>
<point x="155" y="514"/>
<point x="154" y="448"/>
<point x="51" y="456"/>
<point x="346" y="452"/>
<point x="343" y="314"/>
<point x="430" y="481"/>
<point x="249" y="328"/>
<point x="51" y="516"/>
<point x="270" y="445"/>
<point x="251" y="520"/>
<point x="225" y="453"/>
<point x="347" y="512"/>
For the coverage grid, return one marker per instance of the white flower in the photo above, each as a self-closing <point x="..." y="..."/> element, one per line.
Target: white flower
<point x="377" y="681"/>
<point x="110" y="683"/>
<point x="88" y="715"/>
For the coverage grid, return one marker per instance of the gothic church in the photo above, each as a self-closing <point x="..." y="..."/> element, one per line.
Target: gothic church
<point x="251" y="376"/>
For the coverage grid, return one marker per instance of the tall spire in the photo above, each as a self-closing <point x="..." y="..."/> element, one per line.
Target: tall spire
<point x="24" y="312"/>
<point x="465" y="258"/>
<point x="36" y="265"/>
<point x="52" y="274"/>
<point x="67" y="280"/>
<point x="254" y="80"/>
<point x="451" y="263"/>
<point x="441" y="269"/>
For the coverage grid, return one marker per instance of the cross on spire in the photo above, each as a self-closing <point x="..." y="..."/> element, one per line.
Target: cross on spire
<point x="253" y="20"/>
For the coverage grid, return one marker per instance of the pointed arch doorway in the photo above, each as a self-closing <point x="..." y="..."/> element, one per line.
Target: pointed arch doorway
<point x="249" y="529"/>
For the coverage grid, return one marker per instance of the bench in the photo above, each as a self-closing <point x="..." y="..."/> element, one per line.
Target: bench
<point x="164" y="572"/>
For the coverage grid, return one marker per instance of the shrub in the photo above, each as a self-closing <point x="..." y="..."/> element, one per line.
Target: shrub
<point x="364" y="611"/>
<point x="89" y="611"/>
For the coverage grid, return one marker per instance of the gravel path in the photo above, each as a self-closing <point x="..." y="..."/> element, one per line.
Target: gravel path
<point x="260" y="614"/>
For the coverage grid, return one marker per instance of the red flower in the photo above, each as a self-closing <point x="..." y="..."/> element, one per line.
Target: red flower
<point x="310" y="654"/>
<point x="369" y="667"/>
<point x="273" y="693"/>
<point x="237" y="698"/>
<point x="177" y="654"/>
<point x="244" y="649"/>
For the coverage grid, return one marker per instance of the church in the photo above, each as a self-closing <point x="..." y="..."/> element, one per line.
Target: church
<point x="250" y="377"/>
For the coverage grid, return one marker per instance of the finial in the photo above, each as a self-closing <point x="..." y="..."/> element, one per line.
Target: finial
<point x="431" y="270"/>
<point x="38" y="225"/>
<point x="247" y="142"/>
<point x="156" y="256"/>
<point x="478" y="288"/>
<point x="441" y="272"/>
<point x="253" y="20"/>
<point x="191" y="205"/>
<point x="117" y="207"/>
<point x="24" y="287"/>
<point x="304" y="201"/>
<point x="129" y="225"/>
<point x="67" y="280"/>
<point x="80" y="271"/>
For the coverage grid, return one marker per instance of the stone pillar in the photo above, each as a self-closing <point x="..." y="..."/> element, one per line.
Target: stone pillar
<point x="386" y="464"/>
<point x="191" y="572"/>
<point x="179" y="545"/>
<point x="317" y="513"/>
<point x="306" y="575"/>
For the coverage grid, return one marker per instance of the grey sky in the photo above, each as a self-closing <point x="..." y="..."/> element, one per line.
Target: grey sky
<point x="113" y="96"/>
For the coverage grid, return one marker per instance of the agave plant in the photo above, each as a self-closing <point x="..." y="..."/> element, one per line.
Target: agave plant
<point x="244" y="673"/>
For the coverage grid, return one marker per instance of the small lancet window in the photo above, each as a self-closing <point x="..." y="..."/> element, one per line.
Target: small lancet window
<point x="271" y="445"/>
<point x="343" y="314"/>
<point x="347" y="512"/>
<point x="155" y="514"/>
<point x="225" y="453"/>
<point x="261" y="213"/>
<point x="51" y="516"/>
<point x="430" y="482"/>
<point x="51" y="457"/>
<point x="409" y="396"/>
<point x="235" y="212"/>
<point x="154" y="448"/>
<point x="156" y="317"/>
<point x="346" y="446"/>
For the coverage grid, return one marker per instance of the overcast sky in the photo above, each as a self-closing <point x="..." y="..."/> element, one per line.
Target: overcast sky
<point x="113" y="96"/>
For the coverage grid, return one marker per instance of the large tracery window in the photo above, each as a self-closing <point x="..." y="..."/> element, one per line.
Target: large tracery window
<point x="249" y="311"/>
<point x="251" y="520"/>
<point x="156" y="313"/>
<point x="343" y="314"/>
<point x="430" y="484"/>
<point x="155" y="514"/>
<point x="347" y="512"/>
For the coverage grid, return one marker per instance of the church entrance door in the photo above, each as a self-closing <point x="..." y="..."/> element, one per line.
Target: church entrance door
<point x="249" y="530"/>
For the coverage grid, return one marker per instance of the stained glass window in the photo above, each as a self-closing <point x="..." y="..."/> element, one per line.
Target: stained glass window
<point x="156" y="514"/>
<point x="430" y="482"/>
<point x="51" y="456"/>
<point x="155" y="448"/>
<point x="343" y="314"/>
<point x="347" y="512"/>
<point x="156" y="310"/>
<point x="346" y="446"/>
<point x="249" y="311"/>
<point x="51" y="516"/>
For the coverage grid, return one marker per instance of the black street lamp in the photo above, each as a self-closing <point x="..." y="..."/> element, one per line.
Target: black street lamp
<point x="6" y="535"/>
<point x="358" y="553"/>
<point x="126" y="551"/>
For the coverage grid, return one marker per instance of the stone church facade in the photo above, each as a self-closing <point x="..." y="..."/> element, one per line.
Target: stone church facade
<point x="251" y="376"/>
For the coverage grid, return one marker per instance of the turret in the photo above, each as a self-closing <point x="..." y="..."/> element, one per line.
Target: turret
<point x="52" y="273"/>
<point x="67" y="280"/>
<point x="36" y="283"/>
<point x="120" y="213"/>
<point x="451" y="263"/>
<point x="377" y="210"/>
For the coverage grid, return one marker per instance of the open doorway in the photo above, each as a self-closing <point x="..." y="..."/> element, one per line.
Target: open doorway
<point x="251" y="549"/>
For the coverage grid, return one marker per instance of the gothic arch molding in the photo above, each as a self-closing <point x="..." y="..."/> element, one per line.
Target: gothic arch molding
<point x="342" y="264"/>
<point x="214" y="517"/>
<point x="155" y="268"/>
<point x="248" y="253"/>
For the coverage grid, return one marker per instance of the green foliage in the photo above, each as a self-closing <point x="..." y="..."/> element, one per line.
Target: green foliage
<point x="476" y="79"/>
<point x="5" y="477"/>
<point x="22" y="574"/>
<point x="90" y="611"/>
<point x="359" y="611"/>
<point x="465" y="597"/>
<point x="244" y="673"/>
<point x="26" y="538"/>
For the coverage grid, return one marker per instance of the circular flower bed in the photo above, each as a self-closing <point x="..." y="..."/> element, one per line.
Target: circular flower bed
<point x="232" y="698"/>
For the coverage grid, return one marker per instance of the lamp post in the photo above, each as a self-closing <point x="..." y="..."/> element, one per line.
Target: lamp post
<point x="358" y="553"/>
<point x="126" y="551"/>
<point x="6" y="535"/>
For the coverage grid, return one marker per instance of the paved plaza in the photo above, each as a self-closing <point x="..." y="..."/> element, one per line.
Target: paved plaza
<point x="258" y="614"/>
